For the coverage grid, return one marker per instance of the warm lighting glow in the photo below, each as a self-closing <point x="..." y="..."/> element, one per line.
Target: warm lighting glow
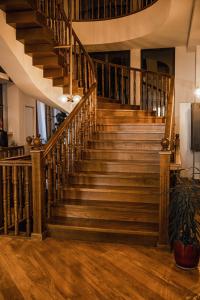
<point x="63" y="98"/>
<point x="197" y="92"/>
<point x="69" y="98"/>
<point x="76" y="98"/>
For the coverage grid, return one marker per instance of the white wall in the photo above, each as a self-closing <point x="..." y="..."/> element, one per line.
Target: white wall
<point x="187" y="77"/>
<point x="17" y="102"/>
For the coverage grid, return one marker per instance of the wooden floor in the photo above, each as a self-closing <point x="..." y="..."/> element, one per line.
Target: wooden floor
<point x="54" y="269"/>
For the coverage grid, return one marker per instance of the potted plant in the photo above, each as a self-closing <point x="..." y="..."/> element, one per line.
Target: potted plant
<point x="184" y="226"/>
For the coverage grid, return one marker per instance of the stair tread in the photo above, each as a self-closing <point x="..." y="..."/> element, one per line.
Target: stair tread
<point x="82" y="187"/>
<point x="103" y="226"/>
<point x="129" y="132"/>
<point x="116" y="174"/>
<point x="124" y="162"/>
<point x="124" y="151"/>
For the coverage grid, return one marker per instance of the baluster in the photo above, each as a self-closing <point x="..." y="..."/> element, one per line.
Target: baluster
<point x="115" y="68"/>
<point x="122" y="85"/>
<point x="5" y="206"/>
<point x="27" y="202"/>
<point x="50" y="184"/>
<point x="20" y="193"/>
<point x="15" y="196"/>
<point x="9" y="195"/>
<point x="134" y="87"/>
<point x="70" y="148"/>
<point x="103" y="81"/>
<point x="63" y="158"/>
<point x="54" y="176"/>
<point x="58" y="151"/>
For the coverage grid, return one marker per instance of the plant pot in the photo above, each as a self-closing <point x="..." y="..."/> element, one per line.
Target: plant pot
<point x="186" y="256"/>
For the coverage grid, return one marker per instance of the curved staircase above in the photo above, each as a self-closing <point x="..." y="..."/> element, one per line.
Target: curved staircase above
<point x="35" y="51"/>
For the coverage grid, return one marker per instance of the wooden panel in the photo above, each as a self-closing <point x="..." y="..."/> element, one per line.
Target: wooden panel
<point x="195" y="127"/>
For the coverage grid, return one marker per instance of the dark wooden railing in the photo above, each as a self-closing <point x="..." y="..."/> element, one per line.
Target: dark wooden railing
<point x="16" y="196"/>
<point x="134" y="86"/>
<point x="87" y="10"/>
<point x="11" y="151"/>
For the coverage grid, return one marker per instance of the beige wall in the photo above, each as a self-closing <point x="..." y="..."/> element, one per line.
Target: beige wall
<point x="17" y="102"/>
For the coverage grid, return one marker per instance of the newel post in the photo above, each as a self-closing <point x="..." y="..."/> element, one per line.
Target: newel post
<point x="165" y="155"/>
<point x="38" y="192"/>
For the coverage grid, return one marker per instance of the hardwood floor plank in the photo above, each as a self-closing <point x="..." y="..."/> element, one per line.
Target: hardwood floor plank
<point x="74" y="270"/>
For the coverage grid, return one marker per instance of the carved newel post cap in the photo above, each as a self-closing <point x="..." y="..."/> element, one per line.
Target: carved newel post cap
<point x="165" y="144"/>
<point x="37" y="144"/>
<point x="29" y="140"/>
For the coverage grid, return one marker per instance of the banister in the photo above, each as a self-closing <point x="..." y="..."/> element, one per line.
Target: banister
<point x="94" y="10"/>
<point x="51" y="143"/>
<point x="169" y="124"/>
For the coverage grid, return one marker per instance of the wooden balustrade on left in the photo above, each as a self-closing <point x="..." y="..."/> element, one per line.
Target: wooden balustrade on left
<point x="16" y="196"/>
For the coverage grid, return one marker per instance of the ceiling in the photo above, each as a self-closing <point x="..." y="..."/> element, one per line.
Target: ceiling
<point x="180" y="26"/>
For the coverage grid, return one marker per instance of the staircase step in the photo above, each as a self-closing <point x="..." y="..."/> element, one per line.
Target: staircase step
<point x="47" y="61"/>
<point x="128" y="145"/>
<point x="39" y="50"/>
<point x="75" y="90"/>
<point x="107" y="105"/>
<point x="117" y="166"/>
<point x="25" y="19"/>
<point x="113" y="194"/>
<point x="143" y="127"/>
<point x="106" y="113"/>
<point x="53" y="72"/>
<point x="35" y="35"/>
<point x="64" y="81"/>
<point x="131" y="136"/>
<point x="121" y="155"/>
<point x="107" y="224"/>
<point x="115" y="179"/>
<point x="15" y="5"/>
<point x="101" y="230"/>
<point x="106" y="213"/>
<point x="130" y="120"/>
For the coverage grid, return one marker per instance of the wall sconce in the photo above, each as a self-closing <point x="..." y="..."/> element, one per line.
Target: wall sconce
<point x="70" y="98"/>
<point x="197" y="92"/>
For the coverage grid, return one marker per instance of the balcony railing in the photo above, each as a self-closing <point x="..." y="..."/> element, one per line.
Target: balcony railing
<point x="87" y="10"/>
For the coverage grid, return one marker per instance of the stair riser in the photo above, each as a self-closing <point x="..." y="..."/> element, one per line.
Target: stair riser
<point x="121" y="113"/>
<point x="123" y="146"/>
<point x="115" y="106"/>
<point x="11" y="5"/>
<point x="152" y="182"/>
<point x="52" y="61"/>
<point x="114" y="196"/>
<point x="129" y="136"/>
<point x="25" y="19"/>
<point x="120" y="167"/>
<point x="76" y="211"/>
<point x="53" y="73"/>
<point x="106" y="155"/>
<point x="82" y="235"/>
<point x="132" y="128"/>
<point x="128" y="120"/>
<point x="34" y="35"/>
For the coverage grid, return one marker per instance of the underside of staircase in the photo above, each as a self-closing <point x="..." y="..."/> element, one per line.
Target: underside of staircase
<point x="39" y="42"/>
<point x="113" y="193"/>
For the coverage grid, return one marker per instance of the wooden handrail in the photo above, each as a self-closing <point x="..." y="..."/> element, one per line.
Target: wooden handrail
<point x="167" y="142"/>
<point x="93" y="10"/>
<point x="11" y="151"/>
<point x="52" y="142"/>
<point x="150" y="90"/>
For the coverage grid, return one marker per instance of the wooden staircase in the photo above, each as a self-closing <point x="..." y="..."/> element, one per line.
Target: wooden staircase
<point x="113" y="193"/>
